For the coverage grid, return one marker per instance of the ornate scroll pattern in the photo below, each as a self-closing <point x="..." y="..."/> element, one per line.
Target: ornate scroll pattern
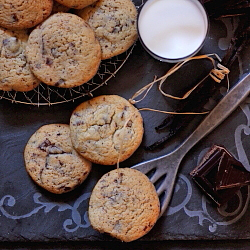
<point x="77" y="219"/>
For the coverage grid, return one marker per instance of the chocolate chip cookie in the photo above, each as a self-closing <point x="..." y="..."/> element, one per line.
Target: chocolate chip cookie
<point x="19" y="14"/>
<point x="63" y="51"/>
<point x="76" y="4"/>
<point x="114" y="23"/>
<point x="51" y="160"/>
<point x="124" y="204"/>
<point x="106" y="129"/>
<point x="15" y="73"/>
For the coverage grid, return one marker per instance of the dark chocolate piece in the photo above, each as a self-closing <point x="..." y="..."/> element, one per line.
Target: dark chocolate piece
<point x="231" y="173"/>
<point x="213" y="178"/>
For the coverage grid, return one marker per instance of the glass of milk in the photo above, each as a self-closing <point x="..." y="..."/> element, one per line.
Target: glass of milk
<point x="172" y="30"/>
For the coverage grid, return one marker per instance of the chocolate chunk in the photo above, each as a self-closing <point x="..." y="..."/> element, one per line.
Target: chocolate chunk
<point x="5" y="42"/>
<point x="49" y="61"/>
<point x="220" y="175"/>
<point x="12" y="44"/>
<point x="38" y="66"/>
<point x="71" y="44"/>
<point x="43" y="47"/>
<point x="76" y="114"/>
<point x="61" y="81"/>
<point x="129" y="124"/>
<point x="46" y="143"/>
<point x="55" y="52"/>
<point x="54" y="149"/>
<point x="15" y="18"/>
<point x="231" y="173"/>
<point x="65" y="188"/>
<point x="78" y="123"/>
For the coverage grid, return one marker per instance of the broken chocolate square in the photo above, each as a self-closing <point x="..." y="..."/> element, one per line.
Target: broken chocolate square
<point x="220" y="175"/>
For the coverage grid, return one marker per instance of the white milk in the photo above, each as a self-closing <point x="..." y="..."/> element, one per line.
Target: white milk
<point x="172" y="28"/>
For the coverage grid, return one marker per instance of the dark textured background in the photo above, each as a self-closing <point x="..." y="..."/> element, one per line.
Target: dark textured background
<point x="18" y="122"/>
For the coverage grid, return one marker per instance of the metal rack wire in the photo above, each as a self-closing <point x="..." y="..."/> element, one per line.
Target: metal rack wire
<point x="48" y="95"/>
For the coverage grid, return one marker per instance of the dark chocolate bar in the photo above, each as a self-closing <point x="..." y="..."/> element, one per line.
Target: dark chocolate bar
<point x="220" y="175"/>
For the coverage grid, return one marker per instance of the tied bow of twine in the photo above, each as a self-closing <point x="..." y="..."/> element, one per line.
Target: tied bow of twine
<point x="218" y="73"/>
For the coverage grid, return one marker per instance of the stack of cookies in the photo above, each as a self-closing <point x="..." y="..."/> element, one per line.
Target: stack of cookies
<point x="39" y="42"/>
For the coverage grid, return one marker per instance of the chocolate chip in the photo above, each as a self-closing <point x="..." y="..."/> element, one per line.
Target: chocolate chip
<point x="5" y="42"/>
<point x="61" y="81"/>
<point x="78" y="123"/>
<point x="72" y="44"/>
<point x="12" y="44"/>
<point x="77" y="114"/>
<point x="116" y="29"/>
<point x="49" y="61"/>
<point x="129" y="124"/>
<point x="45" y="144"/>
<point x="43" y="48"/>
<point x="15" y="18"/>
<point x="65" y="188"/>
<point x="55" y="52"/>
<point x="53" y="149"/>
<point x="4" y="80"/>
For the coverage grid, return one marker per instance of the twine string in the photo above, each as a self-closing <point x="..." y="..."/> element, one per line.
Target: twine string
<point x="218" y="73"/>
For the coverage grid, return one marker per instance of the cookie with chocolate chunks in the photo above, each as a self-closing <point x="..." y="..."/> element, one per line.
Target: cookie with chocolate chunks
<point x="106" y="129"/>
<point x="63" y="51"/>
<point x="114" y="23"/>
<point x="124" y="204"/>
<point x="76" y="4"/>
<point x="17" y="14"/>
<point x="15" y="73"/>
<point x="51" y="160"/>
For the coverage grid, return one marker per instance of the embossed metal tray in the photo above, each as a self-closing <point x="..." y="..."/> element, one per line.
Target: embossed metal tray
<point x="27" y="212"/>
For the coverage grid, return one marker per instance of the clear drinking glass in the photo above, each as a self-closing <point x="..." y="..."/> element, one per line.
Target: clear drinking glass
<point x="172" y="30"/>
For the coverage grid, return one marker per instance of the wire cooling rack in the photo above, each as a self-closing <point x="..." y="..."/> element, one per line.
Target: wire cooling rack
<point x="49" y="95"/>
